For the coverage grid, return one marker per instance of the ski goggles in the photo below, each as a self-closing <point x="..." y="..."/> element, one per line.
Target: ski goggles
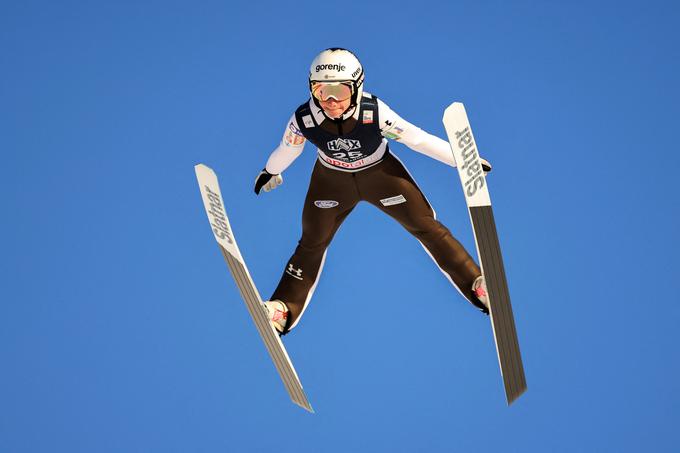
<point x="323" y="91"/>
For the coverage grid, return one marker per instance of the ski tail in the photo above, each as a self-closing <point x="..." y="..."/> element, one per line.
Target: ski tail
<point x="502" y="319"/>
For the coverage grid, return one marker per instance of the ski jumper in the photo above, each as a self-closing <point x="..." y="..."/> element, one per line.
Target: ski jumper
<point x="355" y="164"/>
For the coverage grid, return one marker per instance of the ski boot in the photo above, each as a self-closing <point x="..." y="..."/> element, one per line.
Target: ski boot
<point x="277" y="313"/>
<point x="482" y="295"/>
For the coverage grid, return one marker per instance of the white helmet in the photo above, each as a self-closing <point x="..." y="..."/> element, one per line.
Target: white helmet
<point x="338" y="65"/>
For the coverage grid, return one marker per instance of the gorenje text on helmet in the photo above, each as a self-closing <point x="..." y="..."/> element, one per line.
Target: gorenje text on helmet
<point x="337" y="66"/>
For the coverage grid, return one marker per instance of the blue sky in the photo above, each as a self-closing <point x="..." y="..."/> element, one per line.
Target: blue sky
<point x="120" y="327"/>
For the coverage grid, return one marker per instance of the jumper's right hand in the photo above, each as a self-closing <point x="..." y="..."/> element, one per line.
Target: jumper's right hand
<point x="267" y="181"/>
<point x="486" y="166"/>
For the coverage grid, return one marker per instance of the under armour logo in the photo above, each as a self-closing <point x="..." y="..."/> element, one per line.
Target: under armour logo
<point x="295" y="273"/>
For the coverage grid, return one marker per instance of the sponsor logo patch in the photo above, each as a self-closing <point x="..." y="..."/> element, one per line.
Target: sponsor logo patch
<point x="295" y="273"/>
<point x="326" y="204"/>
<point x="368" y="117"/>
<point x="307" y="121"/>
<point x="353" y="163"/>
<point x="293" y="135"/>
<point x="343" y="144"/>
<point x="393" y="200"/>
<point x="293" y="128"/>
<point x="394" y="132"/>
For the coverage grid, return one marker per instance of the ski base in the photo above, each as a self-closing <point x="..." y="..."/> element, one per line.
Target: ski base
<point x="478" y="200"/>
<point x="217" y="215"/>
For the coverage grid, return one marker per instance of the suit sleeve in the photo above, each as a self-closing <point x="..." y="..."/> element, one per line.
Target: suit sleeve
<point x="396" y="128"/>
<point x="289" y="149"/>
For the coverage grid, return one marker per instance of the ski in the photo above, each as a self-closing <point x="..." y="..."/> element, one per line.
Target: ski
<point x="478" y="201"/>
<point x="221" y="228"/>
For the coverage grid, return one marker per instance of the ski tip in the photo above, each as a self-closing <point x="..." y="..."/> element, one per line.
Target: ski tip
<point x="455" y="106"/>
<point x="203" y="169"/>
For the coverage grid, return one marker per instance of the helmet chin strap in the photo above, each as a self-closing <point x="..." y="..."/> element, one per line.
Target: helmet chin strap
<point x="346" y="114"/>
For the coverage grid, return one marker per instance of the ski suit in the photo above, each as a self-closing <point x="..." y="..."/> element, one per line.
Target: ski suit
<point x="354" y="164"/>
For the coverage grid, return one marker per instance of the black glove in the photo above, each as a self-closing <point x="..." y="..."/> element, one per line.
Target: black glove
<point x="267" y="181"/>
<point x="486" y="166"/>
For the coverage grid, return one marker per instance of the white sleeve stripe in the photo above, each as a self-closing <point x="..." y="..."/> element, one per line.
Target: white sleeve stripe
<point x="396" y="128"/>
